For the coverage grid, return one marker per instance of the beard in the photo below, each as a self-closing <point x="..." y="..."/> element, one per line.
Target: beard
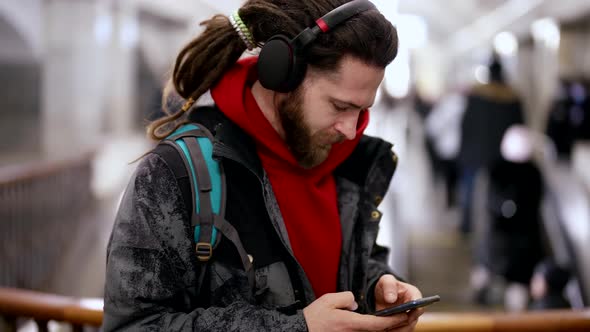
<point x="309" y="149"/>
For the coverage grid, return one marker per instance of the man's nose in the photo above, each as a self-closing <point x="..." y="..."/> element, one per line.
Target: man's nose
<point x="347" y="124"/>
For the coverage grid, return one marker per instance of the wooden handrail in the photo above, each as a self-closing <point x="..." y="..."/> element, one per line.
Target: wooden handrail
<point x="43" y="307"/>
<point x="537" y="321"/>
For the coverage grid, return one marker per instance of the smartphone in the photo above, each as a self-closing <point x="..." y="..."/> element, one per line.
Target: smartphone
<point x="418" y="303"/>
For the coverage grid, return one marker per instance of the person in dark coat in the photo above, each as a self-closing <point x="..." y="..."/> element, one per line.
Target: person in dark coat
<point x="569" y="119"/>
<point x="491" y="109"/>
<point x="514" y="237"/>
<point x="512" y="241"/>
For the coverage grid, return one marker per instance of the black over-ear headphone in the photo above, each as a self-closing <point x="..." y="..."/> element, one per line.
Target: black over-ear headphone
<point x="281" y="63"/>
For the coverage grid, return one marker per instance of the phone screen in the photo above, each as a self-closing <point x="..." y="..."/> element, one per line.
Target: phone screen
<point x="418" y="303"/>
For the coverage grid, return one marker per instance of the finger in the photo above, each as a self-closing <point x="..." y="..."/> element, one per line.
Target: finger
<point x="415" y="314"/>
<point x="375" y="323"/>
<point x="409" y="327"/>
<point x="387" y="289"/>
<point x="412" y="326"/>
<point x="412" y="321"/>
<point x="410" y="291"/>
<point x="341" y="300"/>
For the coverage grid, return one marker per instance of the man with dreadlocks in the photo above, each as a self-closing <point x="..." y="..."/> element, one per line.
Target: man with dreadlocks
<point x="302" y="183"/>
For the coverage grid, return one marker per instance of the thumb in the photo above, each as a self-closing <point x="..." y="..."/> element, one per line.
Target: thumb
<point x="342" y="300"/>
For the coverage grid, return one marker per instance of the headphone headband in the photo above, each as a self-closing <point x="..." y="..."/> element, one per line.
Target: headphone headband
<point x="343" y="13"/>
<point x="331" y="20"/>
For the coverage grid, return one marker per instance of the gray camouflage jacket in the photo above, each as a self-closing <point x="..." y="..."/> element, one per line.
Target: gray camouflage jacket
<point x="152" y="271"/>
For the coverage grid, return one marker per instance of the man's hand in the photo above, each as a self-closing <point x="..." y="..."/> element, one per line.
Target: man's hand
<point x="332" y="312"/>
<point x="390" y="292"/>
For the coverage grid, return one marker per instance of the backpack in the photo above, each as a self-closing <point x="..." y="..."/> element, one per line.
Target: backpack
<point x="194" y="144"/>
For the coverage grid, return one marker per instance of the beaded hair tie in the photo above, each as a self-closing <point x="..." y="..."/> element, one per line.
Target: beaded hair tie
<point x="242" y="30"/>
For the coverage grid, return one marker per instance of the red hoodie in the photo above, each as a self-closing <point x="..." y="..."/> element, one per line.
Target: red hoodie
<point x="307" y="198"/>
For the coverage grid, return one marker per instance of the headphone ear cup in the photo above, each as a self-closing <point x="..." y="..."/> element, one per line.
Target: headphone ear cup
<point x="279" y="68"/>
<point x="297" y="74"/>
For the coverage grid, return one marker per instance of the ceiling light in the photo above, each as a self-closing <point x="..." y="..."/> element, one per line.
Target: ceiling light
<point x="505" y="43"/>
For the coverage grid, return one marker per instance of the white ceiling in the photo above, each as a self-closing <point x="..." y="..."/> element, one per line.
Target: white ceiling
<point x="457" y="25"/>
<point x="462" y="26"/>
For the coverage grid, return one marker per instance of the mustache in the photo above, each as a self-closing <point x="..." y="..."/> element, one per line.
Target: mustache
<point x="338" y="138"/>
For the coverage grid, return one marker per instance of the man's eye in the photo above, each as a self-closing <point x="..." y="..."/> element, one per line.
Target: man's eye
<point x="340" y="109"/>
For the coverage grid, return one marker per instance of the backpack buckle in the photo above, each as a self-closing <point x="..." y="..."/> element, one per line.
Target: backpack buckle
<point x="204" y="251"/>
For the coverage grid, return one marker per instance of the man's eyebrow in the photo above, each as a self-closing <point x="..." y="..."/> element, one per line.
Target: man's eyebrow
<point x="349" y="104"/>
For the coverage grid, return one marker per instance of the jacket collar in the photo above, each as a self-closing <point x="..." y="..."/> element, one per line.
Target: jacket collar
<point x="231" y="141"/>
<point x="370" y="166"/>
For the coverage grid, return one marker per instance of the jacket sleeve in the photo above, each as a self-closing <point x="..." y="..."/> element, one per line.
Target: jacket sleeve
<point x="149" y="253"/>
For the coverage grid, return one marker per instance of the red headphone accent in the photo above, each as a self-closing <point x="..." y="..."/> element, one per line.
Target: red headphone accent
<point x="322" y="24"/>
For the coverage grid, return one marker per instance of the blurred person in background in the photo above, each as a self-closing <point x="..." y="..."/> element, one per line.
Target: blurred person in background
<point x="548" y="286"/>
<point x="443" y="130"/>
<point x="490" y="109"/>
<point x="569" y="119"/>
<point x="512" y="245"/>
<point x="303" y="182"/>
<point x="424" y="108"/>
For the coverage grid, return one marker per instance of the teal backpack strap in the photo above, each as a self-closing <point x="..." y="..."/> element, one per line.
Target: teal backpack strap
<point x="205" y="175"/>
<point x="207" y="179"/>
